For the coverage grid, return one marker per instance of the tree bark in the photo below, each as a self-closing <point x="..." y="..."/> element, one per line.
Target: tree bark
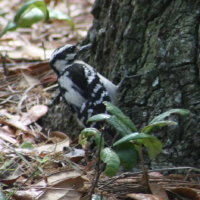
<point x="158" y="42"/>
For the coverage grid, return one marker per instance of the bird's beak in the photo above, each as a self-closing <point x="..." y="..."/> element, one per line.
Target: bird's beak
<point x="84" y="48"/>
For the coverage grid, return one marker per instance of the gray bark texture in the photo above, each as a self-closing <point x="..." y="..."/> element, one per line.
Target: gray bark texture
<point x="158" y="42"/>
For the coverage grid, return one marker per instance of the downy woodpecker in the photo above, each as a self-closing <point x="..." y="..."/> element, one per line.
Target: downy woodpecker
<point x="81" y="86"/>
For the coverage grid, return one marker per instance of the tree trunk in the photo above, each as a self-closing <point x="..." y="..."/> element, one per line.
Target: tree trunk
<point x="158" y="42"/>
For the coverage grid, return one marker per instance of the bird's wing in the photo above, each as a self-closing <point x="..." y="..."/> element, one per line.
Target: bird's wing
<point x="76" y="73"/>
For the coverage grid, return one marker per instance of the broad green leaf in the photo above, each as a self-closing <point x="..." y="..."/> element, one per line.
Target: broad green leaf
<point x="56" y="14"/>
<point x="151" y="127"/>
<point x="118" y="125"/>
<point x="111" y="159"/>
<point x="30" y="13"/>
<point x="128" y="155"/>
<point x="99" y="117"/>
<point x="132" y="136"/>
<point x="121" y="116"/>
<point x="153" y="145"/>
<point x="161" y="117"/>
<point x="89" y="132"/>
<point x="31" y="17"/>
<point x="113" y="121"/>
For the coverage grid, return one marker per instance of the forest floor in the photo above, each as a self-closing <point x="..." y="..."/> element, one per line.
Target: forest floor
<point x="33" y="164"/>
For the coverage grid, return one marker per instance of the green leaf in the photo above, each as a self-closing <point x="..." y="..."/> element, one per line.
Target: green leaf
<point x="31" y="17"/>
<point x="27" y="145"/>
<point x="91" y="132"/>
<point x="151" y="127"/>
<point x="113" y="121"/>
<point x="153" y="145"/>
<point x="31" y="12"/>
<point x="132" y="136"/>
<point x="118" y="125"/>
<point x="111" y="159"/>
<point x="128" y="155"/>
<point x="99" y="117"/>
<point x="161" y="117"/>
<point x="56" y="14"/>
<point x="121" y="116"/>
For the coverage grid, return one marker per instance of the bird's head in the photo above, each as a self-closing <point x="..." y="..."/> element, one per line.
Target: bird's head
<point x="65" y="55"/>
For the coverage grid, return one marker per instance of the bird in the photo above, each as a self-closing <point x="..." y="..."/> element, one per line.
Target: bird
<point x="80" y="85"/>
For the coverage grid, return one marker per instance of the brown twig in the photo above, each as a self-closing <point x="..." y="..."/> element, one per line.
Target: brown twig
<point x="6" y="72"/>
<point x="97" y="171"/>
<point x="129" y="174"/>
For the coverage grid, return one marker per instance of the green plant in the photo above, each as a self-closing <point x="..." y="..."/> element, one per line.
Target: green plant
<point x="32" y="12"/>
<point x="129" y="148"/>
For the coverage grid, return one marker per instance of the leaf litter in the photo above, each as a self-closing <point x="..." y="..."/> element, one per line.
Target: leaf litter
<point x="33" y="164"/>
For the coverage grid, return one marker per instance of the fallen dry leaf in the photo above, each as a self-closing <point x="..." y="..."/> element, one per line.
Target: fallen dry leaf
<point x="155" y="175"/>
<point x="10" y="180"/>
<point x="186" y="192"/>
<point x="16" y="124"/>
<point x="64" y="189"/>
<point x="32" y="68"/>
<point x="31" y="52"/>
<point x="143" y="197"/>
<point x="7" y="136"/>
<point x="58" y="134"/>
<point x="158" y="190"/>
<point x="29" y="80"/>
<point x="28" y="194"/>
<point x="60" y="194"/>
<point x="34" y="52"/>
<point x="4" y="149"/>
<point x="6" y="114"/>
<point x="75" y="155"/>
<point x="50" y="148"/>
<point x="35" y="113"/>
<point x="59" y="177"/>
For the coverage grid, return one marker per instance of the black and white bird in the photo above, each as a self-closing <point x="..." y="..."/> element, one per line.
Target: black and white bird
<point x="81" y="86"/>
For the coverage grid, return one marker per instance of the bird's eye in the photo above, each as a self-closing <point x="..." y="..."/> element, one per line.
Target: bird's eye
<point x="71" y="49"/>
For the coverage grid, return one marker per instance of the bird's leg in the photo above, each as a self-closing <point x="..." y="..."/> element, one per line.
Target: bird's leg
<point x="125" y="76"/>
